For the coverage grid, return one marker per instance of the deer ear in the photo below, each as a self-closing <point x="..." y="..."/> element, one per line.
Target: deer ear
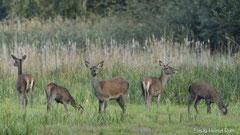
<point x="169" y="63"/>
<point x="87" y="64"/>
<point x="15" y="58"/>
<point x="161" y="63"/>
<point x="24" y="57"/>
<point x="100" y="64"/>
<point x="81" y="107"/>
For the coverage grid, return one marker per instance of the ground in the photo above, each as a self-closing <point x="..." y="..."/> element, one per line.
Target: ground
<point x="167" y="119"/>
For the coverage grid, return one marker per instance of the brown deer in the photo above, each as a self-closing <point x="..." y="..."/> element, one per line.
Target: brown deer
<point x="208" y="92"/>
<point x="153" y="86"/>
<point x="105" y="90"/>
<point x="25" y="82"/>
<point x="61" y="95"/>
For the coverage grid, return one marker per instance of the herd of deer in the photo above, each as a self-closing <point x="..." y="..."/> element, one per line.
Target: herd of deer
<point x="115" y="89"/>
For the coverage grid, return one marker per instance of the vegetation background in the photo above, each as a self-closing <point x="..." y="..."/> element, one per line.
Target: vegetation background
<point x="200" y="38"/>
<point x="207" y="21"/>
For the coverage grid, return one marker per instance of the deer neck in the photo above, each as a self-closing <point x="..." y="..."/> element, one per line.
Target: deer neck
<point x="219" y="103"/>
<point x="95" y="83"/>
<point x="20" y="69"/>
<point x="73" y="103"/>
<point x="163" y="78"/>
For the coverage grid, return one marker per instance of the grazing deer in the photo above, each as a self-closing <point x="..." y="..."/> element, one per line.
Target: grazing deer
<point x="208" y="92"/>
<point x="25" y="82"/>
<point x="153" y="86"/>
<point x="61" y="95"/>
<point x="105" y="90"/>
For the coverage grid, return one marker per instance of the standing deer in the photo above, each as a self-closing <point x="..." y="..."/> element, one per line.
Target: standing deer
<point x="61" y="95"/>
<point x="105" y="90"/>
<point x="25" y="82"/>
<point x="208" y="92"/>
<point x="153" y="86"/>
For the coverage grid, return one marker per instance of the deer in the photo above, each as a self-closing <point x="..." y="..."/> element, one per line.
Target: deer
<point x="112" y="89"/>
<point x="201" y="90"/>
<point x="25" y="82"/>
<point x="61" y="95"/>
<point x="153" y="86"/>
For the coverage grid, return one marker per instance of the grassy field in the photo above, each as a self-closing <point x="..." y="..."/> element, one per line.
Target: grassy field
<point x="168" y="119"/>
<point x="63" y="63"/>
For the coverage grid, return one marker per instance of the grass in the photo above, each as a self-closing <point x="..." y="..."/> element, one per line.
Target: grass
<point x="168" y="119"/>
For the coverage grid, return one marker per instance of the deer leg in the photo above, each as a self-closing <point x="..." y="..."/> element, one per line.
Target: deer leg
<point x="143" y="92"/>
<point x="22" y="95"/>
<point x="49" y="101"/>
<point x="31" y="93"/>
<point x="121" y="102"/>
<point x="19" y="99"/>
<point x="196" y="104"/>
<point x="22" y="101"/>
<point x="149" y="99"/>
<point x="192" y="98"/>
<point x="57" y="105"/>
<point x="105" y="105"/>
<point x="208" y="103"/>
<point x="65" y="106"/>
<point x="26" y="100"/>
<point x="124" y="106"/>
<point x="158" y="100"/>
<point x="100" y="106"/>
<point x="145" y="96"/>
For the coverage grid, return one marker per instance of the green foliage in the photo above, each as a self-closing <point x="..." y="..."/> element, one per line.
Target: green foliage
<point x="206" y="20"/>
<point x="44" y="9"/>
<point x="3" y="13"/>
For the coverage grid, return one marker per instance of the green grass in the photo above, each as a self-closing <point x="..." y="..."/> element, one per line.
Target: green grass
<point x="168" y="119"/>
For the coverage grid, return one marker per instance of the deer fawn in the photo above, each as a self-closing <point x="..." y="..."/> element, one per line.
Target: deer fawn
<point x="209" y="93"/>
<point x="153" y="86"/>
<point x="105" y="90"/>
<point x="25" y="82"/>
<point x="60" y="95"/>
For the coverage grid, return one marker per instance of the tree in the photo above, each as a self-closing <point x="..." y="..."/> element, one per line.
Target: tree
<point x="3" y="9"/>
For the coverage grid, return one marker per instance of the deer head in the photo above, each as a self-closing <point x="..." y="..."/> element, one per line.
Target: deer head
<point x="94" y="69"/>
<point x="18" y="62"/>
<point x="80" y="109"/>
<point x="167" y="69"/>
<point x="224" y="110"/>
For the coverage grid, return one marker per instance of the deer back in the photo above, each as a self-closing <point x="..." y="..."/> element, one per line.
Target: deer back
<point x="204" y="90"/>
<point x="114" y="87"/>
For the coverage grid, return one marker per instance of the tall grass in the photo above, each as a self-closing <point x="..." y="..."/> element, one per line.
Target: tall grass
<point x="54" y="56"/>
<point x="64" y="65"/>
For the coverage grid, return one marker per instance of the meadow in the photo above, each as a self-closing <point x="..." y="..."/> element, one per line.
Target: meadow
<point x="53" y="60"/>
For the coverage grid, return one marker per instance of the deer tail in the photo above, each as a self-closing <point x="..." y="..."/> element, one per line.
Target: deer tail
<point x="29" y="84"/>
<point x="27" y="81"/>
<point x="48" y="92"/>
<point x="146" y="89"/>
